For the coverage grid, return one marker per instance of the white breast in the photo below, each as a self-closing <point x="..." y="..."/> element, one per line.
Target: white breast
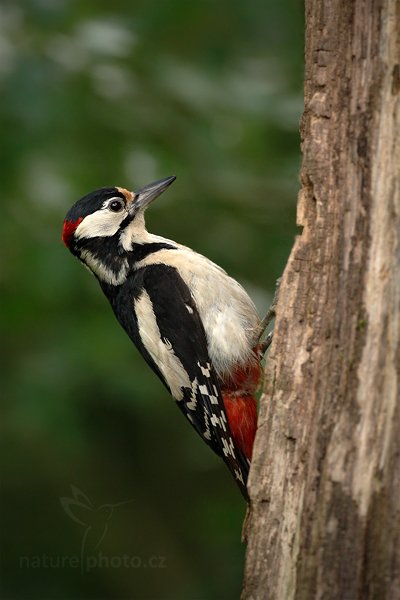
<point x="229" y="316"/>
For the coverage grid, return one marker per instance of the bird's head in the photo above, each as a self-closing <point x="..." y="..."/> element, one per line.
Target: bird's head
<point x="107" y="212"/>
<point x="102" y="225"/>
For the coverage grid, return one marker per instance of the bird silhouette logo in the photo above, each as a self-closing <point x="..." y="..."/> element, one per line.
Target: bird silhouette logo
<point x="94" y="519"/>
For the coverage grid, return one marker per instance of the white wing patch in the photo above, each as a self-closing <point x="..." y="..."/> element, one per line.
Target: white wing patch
<point x="192" y="404"/>
<point x="228" y="448"/>
<point x="203" y="390"/>
<point x="215" y="421"/>
<point x="223" y="421"/>
<point x="160" y="350"/>
<point x="239" y="476"/>
<point x="205" y="370"/>
<point x="207" y="432"/>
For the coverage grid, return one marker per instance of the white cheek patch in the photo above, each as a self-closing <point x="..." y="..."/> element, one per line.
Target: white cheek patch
<point x="102" y="223"/>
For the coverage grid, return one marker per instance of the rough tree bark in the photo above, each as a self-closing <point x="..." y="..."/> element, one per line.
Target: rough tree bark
<point x="325" y="478"/>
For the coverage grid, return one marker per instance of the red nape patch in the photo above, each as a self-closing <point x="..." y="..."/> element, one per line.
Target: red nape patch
<point x="69" y="230"/>
<point x="242" y="418"/>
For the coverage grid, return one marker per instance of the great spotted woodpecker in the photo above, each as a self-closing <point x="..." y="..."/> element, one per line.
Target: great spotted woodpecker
<point x="194" y="325"/>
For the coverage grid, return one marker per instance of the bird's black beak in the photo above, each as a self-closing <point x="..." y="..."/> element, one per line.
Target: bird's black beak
<point x="150" y="192"/>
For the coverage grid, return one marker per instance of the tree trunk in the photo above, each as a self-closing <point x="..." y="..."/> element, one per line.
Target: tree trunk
<point x="325" y="477"/>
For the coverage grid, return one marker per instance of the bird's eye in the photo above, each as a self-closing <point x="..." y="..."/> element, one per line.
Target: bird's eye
<point x="116" y="205"/>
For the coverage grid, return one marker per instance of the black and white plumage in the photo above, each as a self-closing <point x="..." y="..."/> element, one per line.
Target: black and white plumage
<point x="194" y="325"/>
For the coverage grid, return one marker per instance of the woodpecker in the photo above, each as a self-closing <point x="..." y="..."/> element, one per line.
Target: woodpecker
<point x="194" y="325"/>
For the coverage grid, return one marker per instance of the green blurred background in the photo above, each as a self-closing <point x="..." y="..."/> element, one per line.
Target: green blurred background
<point x="98" y="94"/>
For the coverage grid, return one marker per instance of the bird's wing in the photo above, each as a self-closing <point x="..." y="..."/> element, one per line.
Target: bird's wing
<point x="170" y="332"/>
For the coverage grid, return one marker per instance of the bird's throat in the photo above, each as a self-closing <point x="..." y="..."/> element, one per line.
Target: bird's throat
<point x="109" y="269"/>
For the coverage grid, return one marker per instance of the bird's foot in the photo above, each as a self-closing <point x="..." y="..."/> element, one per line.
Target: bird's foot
<point x="265" y="344"/>
<point x="268" y="318"/>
